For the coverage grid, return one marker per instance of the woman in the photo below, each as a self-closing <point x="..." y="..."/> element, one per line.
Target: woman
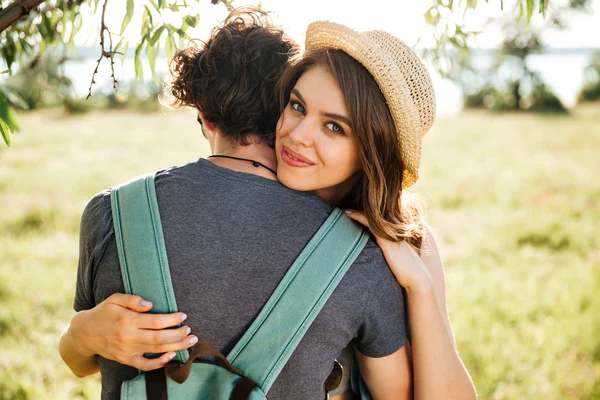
<point x="356" y="108"/>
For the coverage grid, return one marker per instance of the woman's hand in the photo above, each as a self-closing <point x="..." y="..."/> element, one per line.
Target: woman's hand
<point x="119" y="329"/>
<point x="403" y="260"/>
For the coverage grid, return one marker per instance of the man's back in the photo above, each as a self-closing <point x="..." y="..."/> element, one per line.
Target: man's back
<point x="230" y="238"/>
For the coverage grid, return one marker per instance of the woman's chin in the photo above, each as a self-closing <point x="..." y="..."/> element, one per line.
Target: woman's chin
<point x="294" y="182"/>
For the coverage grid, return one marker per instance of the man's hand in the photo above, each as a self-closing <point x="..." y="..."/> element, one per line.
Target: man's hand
<point x="120" y="330"/>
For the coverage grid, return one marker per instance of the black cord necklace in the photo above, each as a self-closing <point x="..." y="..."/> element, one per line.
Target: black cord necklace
<point x="255" y="163"/>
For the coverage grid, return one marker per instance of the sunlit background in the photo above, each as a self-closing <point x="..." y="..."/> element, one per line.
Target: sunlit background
<point x="562" y="64"/>
<point x="509" y="173"/>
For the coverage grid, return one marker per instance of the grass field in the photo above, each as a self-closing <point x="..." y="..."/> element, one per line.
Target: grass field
<point x="515" y="200"/>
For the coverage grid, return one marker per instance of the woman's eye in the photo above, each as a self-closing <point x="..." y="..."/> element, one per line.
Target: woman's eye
<point x="335" y="128"/>
<point x="297" y="106"/>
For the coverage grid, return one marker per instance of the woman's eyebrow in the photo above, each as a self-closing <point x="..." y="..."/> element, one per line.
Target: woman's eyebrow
<point x="298" y="95"/>
<point x="336" y="116"/>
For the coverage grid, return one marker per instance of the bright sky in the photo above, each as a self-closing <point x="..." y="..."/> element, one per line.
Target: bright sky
<point x="403" y="18"/>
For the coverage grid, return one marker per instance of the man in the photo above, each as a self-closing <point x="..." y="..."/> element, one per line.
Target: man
<point x="231" y="232"/>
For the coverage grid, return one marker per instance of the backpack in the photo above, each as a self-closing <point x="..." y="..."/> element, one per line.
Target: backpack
<point x="254" y="363"/>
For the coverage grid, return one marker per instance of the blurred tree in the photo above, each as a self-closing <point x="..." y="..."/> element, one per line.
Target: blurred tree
<point x="38" y="82"/>
<point x="28" y="27"/>
<point x="509" y="84"/>
<point x="591" y="86"/>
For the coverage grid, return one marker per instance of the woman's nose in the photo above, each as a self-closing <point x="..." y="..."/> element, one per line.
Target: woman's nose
<point x="303" y="133"/>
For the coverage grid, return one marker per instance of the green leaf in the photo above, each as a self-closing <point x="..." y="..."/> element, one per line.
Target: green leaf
<point x="192" y="20"/>
<point x="151" y="53"/>
<point x="139" y="73"/>
<point x="161" y="4"/>
<point x="156" y="35"/>
<point x="48" y="31"/>
<point x="529" y="10"/>
<point x="124" y="51"/>
<point x="13" y="125"/>
<point x="128" y="15"/>
<point x="8" y="124"/>
<point x="146" y="21"/>
<point x="180" y="32"/>
<point x="14" y="98"/>
<point x="6" y="114"/>
<point x="118" y="45"/>
<point x="170" y="47"/>
<point x="5" y="133"/>
<point x="520" y="18"/>
<point x="154" y="5"/>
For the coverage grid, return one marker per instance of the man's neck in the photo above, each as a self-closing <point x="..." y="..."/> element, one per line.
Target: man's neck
<point x="253" y="151"/>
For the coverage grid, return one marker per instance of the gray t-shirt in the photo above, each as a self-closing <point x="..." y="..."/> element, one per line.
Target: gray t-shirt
<point x="230" y="238"/>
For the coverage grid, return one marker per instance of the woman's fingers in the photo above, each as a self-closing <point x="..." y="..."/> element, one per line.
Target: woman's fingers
<point x="148" y="364"/>
<point x="159" y="337"/>
<point x="157" y="321"/>
<point x="358" y="216"/>
<point x="183" y="344"/>
<point x="131" y="301"/>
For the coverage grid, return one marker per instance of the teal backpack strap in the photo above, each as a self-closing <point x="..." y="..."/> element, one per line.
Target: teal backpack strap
<point x="141" y="246"/>
<point x="271" y="339"/>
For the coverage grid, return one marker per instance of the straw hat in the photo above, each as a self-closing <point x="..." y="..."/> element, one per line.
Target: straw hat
<point x="401" y="76"/>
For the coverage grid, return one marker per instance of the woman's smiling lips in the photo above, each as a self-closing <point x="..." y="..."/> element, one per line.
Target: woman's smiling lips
<point x="294" y="159"/>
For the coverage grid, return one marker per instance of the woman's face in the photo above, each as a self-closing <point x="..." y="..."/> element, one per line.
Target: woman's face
<point x="316" y="149"/>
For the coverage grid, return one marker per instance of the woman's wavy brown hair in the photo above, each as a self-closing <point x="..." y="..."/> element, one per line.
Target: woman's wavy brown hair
<point x="231" y="78"/>
<point x="391" y="214"/>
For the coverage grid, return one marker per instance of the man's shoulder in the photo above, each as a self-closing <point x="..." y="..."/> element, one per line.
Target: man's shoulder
<point x="100" y="202"/>
<point x="96" y="209"/>
<point x="371" y="262"/>
<point x="370" y="273"/>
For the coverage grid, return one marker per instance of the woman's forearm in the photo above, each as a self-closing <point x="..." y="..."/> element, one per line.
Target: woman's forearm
<point x="438" y="370"/>
<point x="74" y="354"/>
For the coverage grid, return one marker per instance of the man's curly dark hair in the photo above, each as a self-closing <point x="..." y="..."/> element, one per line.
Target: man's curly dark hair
<point x="232" y="77"/>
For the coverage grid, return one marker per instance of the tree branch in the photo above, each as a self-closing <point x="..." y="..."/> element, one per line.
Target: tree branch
<point x="15" y="11"/>
<point x="104" y="53"/>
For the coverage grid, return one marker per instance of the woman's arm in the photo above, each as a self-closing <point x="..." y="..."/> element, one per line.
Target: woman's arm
<point x="82" y="363"/>
<point x="388" y="378"/>
<point x="438" y="371"/>
<point x="432" y="260"/>
<point x="119" y="329"/>
<point x="435" y="355"/>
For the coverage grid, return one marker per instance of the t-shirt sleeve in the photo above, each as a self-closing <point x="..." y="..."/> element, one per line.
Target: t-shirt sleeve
<point x="93" y="230"/>
<point x="384" y="328"/>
